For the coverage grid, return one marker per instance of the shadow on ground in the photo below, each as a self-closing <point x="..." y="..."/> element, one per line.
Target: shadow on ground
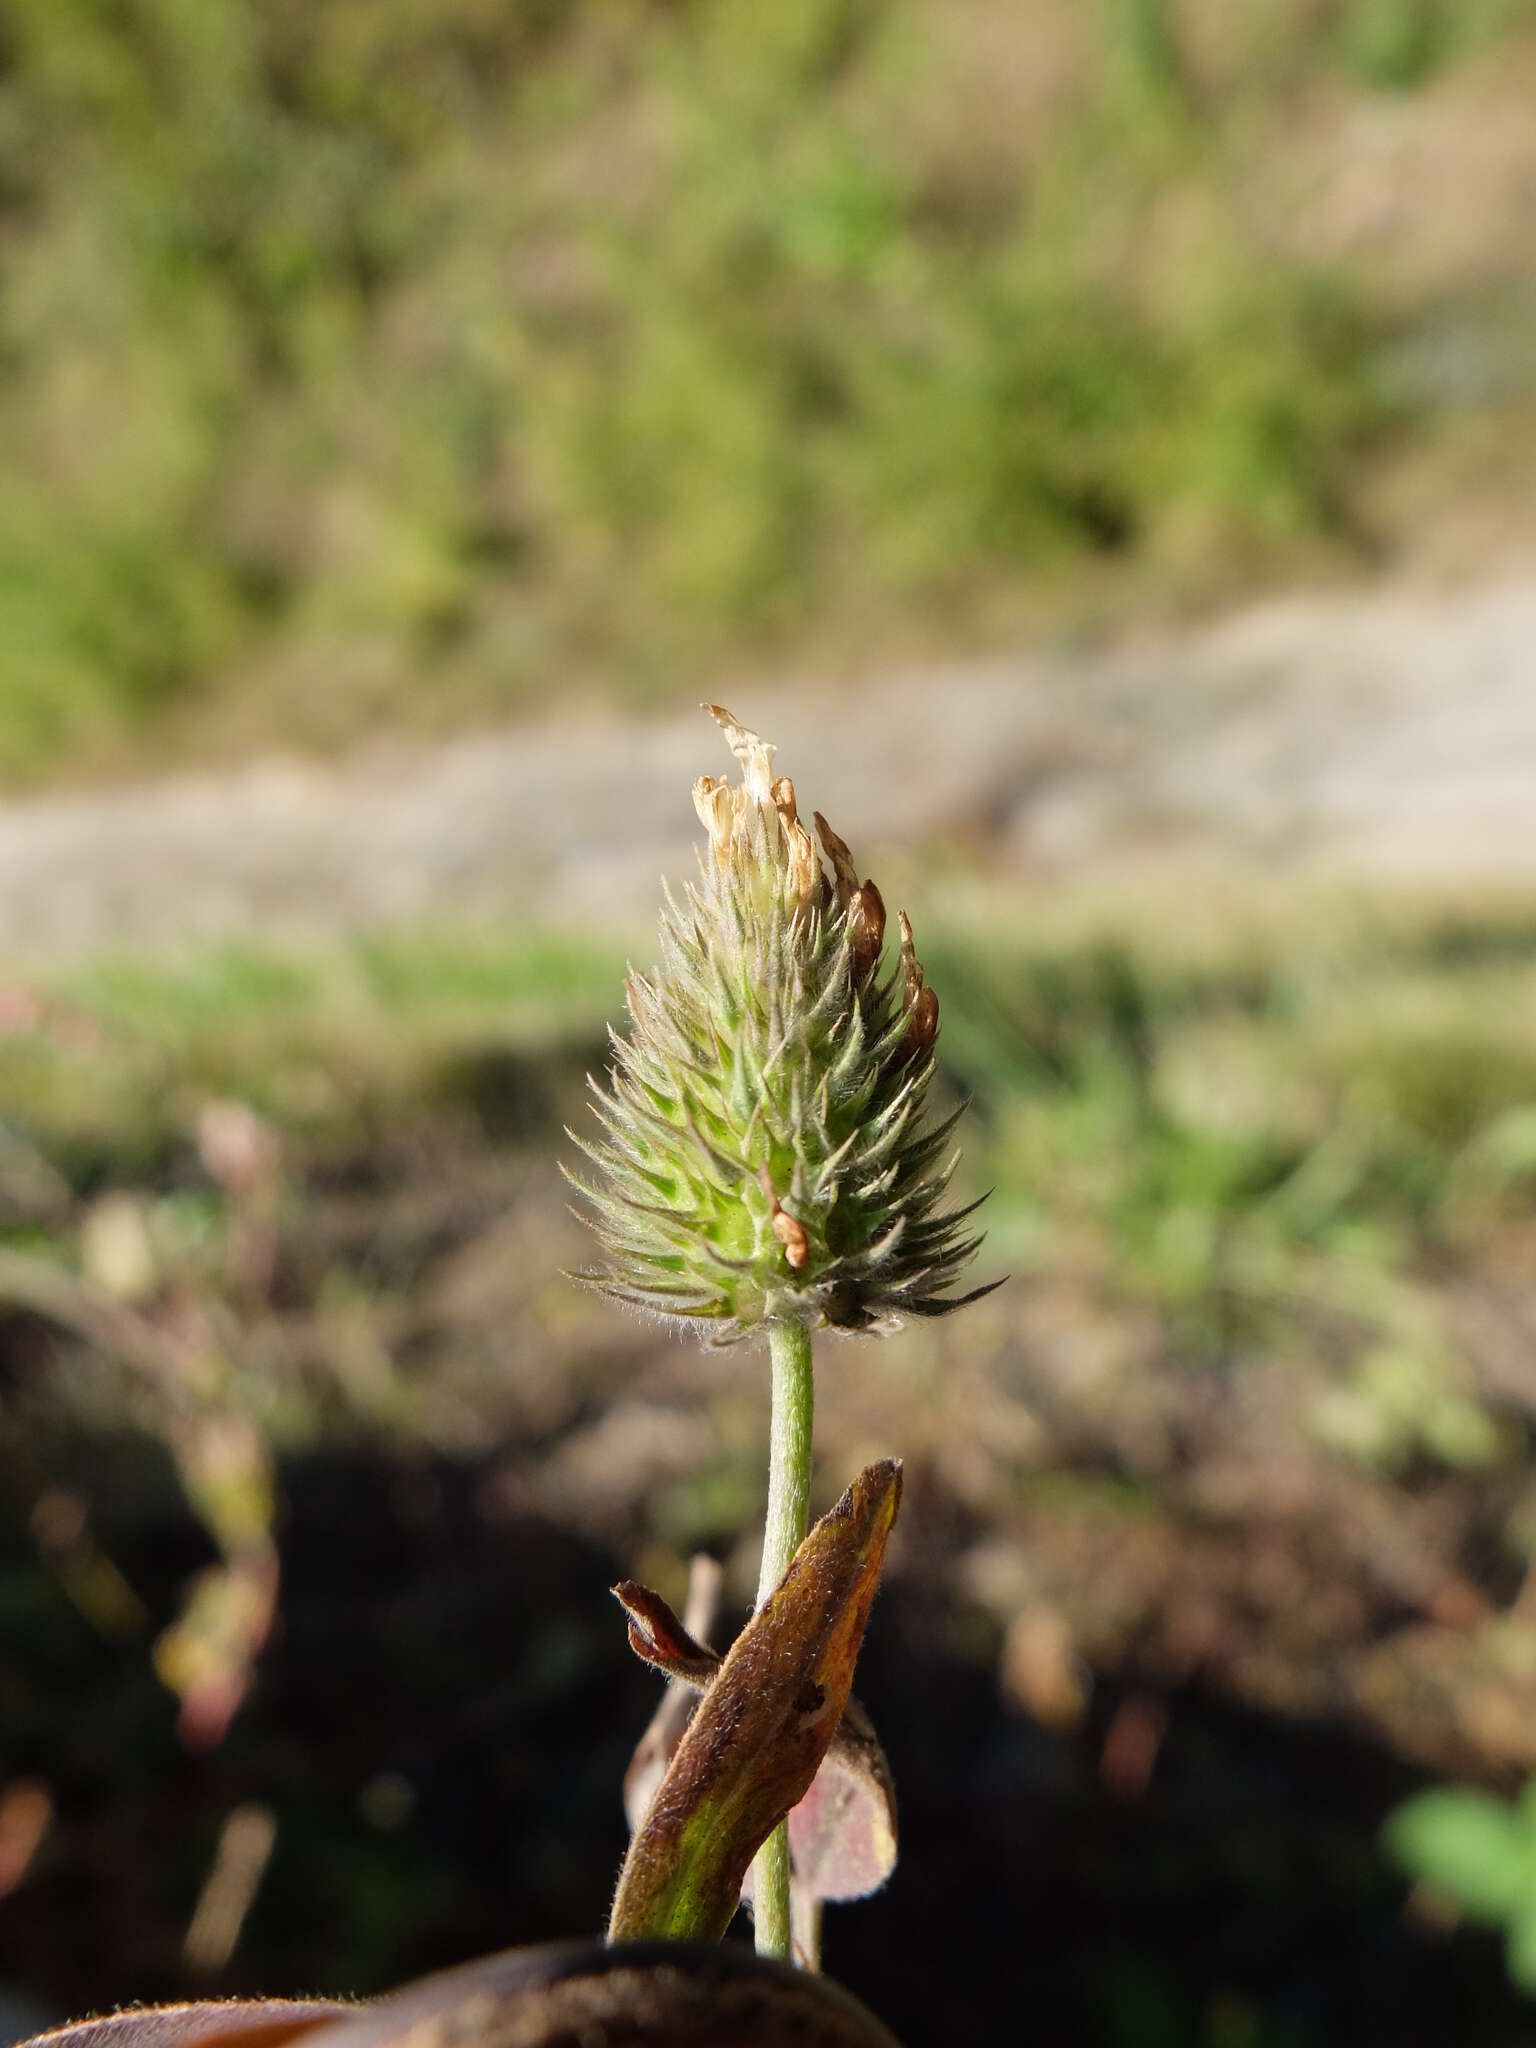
<point x="440" y="1729"/>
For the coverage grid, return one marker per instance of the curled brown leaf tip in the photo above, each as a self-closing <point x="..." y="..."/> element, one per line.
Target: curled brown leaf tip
<point x="658" y="1745"/>
<point x="658" y="1637"/>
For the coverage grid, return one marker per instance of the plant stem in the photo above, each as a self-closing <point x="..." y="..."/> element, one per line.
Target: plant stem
<point x="789" y="1500"/>
<point x="789" y="1451"/>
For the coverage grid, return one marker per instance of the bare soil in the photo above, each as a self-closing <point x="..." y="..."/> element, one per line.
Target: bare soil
<point x="1386" y="737"/>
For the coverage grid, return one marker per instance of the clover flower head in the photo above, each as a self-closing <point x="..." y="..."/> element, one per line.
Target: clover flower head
<point x="764" y="1151"/>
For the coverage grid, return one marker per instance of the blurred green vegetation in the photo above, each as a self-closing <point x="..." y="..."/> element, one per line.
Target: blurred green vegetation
<point x="1479" y="1855"/>
<point x="272" y="1204"/>
<point x="106" y="1077"/>
<point x="1301" y="1144"/>
<point x="262" y="1187"/>
<point x="373" y="359"/>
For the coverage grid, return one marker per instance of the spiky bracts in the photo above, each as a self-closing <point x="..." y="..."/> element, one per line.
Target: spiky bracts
<point x="763" y="1151"/>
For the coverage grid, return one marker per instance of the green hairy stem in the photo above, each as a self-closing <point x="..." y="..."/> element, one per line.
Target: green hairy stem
<point x="789" y="1499"/>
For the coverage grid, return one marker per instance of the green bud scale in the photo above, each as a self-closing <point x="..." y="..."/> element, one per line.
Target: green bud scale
<point x="764" y="1152"/>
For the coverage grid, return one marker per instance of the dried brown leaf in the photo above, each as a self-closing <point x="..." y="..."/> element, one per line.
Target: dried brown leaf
<point x="755" y="1744"/>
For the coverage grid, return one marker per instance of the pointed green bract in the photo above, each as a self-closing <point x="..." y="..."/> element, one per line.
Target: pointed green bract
<point x="762" y="1148"/>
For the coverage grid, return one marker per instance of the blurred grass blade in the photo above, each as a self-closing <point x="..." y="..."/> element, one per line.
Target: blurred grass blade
<point x="758" y="1738"/>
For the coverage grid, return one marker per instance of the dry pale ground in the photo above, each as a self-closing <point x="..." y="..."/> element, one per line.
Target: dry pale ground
<point x="1387" y="737"/>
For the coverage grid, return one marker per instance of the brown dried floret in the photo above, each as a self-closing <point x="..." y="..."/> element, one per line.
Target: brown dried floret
<point x="922" y="1003"/>
<point x="866" y="927"/>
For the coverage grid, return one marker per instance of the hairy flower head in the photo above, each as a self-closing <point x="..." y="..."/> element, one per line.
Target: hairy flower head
<point x="764" y="1151"/>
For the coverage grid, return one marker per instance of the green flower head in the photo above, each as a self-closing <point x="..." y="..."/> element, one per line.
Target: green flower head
<point x="764" y="1152"/>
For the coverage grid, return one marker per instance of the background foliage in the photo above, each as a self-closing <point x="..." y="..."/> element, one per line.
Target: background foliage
<point x="385" y="367"/>
<point x="371" y="358"/>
